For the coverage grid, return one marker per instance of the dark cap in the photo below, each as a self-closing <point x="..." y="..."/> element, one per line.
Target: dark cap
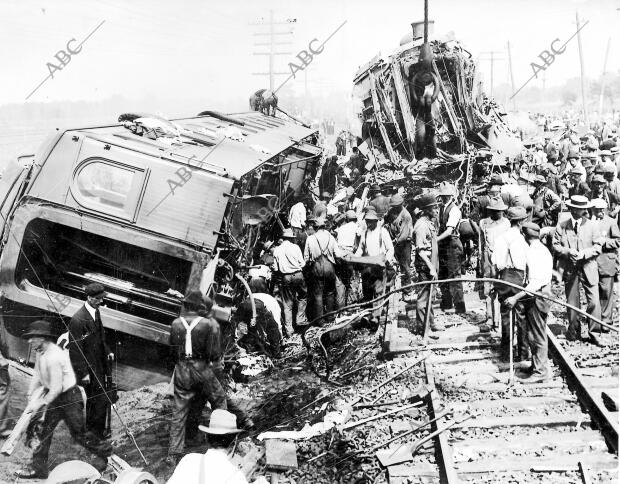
<point x="40" y="328"/>
<point x="95" y="289"/>
<point x="193" y="299"/>
<point x="427" y="200"/>
<point x="496" y="180"/>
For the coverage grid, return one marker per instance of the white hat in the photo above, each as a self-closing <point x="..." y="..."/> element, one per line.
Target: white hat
<point x="598" y="203"/>
<point x="222" y="422"/>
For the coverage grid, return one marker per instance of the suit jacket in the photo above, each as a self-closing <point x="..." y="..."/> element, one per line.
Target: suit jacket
<point x="87" y="335"/>
<point x="566" y="239"/>
<point x="608" y="259"/>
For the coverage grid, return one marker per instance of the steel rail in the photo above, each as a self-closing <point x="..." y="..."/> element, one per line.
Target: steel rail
<point x="576" y="382"/>
<point x="467" y="279"/>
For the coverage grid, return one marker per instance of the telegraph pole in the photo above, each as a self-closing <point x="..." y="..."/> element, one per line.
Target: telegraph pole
<point x="272" y="34"/>
<point x="600" y="102"/>
<point x="492" y="58"/>
<point x="512" y="77"/>
<point x="583" y="77"/>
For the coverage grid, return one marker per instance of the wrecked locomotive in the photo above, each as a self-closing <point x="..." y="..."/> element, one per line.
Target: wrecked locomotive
<point x="150" y="208"/>
<point x="427" y="92"/>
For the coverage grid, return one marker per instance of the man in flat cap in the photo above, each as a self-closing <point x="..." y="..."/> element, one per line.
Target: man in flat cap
<point x="380" y="202"/>
<point x="539" y="263"/>
<point x="427" y="258"/>
<point x="195" y="344"/>
<point x="576" y="186"/>
<point x="547" y="204"/>
<point x="400" y="225"/>
<point x="574" y="245"/>
<point x="90" y="357"/>
<point x="601" y="191"/>
<point x="509" y="259"/>
<point x="491" y="227"/>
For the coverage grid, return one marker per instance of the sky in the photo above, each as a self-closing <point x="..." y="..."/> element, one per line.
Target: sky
<point x="203" y="50"/>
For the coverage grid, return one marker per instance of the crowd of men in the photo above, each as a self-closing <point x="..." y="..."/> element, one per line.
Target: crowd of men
<point x="552" y="212"/>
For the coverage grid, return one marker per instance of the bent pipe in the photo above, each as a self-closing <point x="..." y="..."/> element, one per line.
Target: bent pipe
<point x="470" y="279"/>
<point x="221" y="117"/>
<point x="252" y="303"/>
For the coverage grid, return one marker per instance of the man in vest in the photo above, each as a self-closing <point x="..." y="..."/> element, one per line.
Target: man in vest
<point x="375" y="242"/>
<point x="400" y="226"/>
<point x="547" y="204"/>
<point x="195" y="343"/>
<point x="450" y="249"/>
<point x="427" y="260"/>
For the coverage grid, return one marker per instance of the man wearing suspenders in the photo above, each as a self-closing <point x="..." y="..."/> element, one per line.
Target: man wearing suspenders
<point x="195" y="345"/>
<point x="450" y="249"/>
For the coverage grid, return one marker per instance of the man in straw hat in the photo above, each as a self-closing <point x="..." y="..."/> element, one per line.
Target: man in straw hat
<point x="509" y="259"/>
<point x="539" y="274"/>
<point x="61" y="400"/>
<point x="450" y="249"/>
<point x="608" y="237"/>
<point x="289" y="262"/>
<point x="195" y="343"/>
<point x="491" y="228"/>
<point x="427" y="257"/>
<point x="573" y="244"/>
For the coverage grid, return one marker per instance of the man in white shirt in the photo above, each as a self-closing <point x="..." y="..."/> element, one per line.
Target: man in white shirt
<point x="510" y="261"/>
<point x="60" y="400"/>
<point x="289" y="261"/>
<point x="491" y="228"/>
<point x="539" y="273"/>
<point x="347" y="237"/>
<point x="297" y="221"/>
<point x="375" y="242"/>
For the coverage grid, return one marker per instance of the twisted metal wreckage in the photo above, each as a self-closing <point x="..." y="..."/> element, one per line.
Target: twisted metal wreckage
<point x="150" y="208"/>
<point x="423" y="112"/>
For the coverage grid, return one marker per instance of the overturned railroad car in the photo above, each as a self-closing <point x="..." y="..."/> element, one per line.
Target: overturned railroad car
<point x="150" y="208"/>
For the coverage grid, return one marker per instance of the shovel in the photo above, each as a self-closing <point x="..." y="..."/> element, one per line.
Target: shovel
<point x="405" y="453"/>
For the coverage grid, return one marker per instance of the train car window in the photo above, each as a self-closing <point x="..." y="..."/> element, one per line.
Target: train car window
<point x="109" y="187"/>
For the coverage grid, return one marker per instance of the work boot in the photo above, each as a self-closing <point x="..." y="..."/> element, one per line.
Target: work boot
<point x="30" y="473"/>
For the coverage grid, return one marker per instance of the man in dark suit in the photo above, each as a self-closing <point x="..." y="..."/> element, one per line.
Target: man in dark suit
<point x="608" y="236"/>
<point x="90" y="356"/>
<point x="573" y="243"/>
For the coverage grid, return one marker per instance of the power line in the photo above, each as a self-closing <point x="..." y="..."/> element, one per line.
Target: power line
<point x="272" y="43"/>
<point x="492" y="57"/>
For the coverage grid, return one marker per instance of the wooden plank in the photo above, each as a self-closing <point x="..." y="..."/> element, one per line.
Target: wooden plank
<point x="598" y="461"/>
<point x="527" y="421"/>
<point x="280" y="454"/>
<point x="558" y="440"/>
<point x="520" y="403"/>
<point x="379" y="121"/>
<point x="606" y="383"/>
<point x="458" y="345"/>
<point x="443" y="452"/>
<point x="403" y="102"/>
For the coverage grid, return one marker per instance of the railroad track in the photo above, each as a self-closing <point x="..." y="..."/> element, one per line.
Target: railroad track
<point x="557" y="431"/>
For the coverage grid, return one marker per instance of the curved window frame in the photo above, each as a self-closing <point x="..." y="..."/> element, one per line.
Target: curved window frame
<point x="138" y="185"/>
